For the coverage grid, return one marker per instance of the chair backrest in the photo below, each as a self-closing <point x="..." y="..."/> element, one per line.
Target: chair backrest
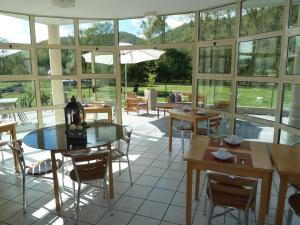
<point x="231" y="191"/>
<point x="127" y="131"/>
<point x="131" y="95"/>
<point x="17" y="149"/>
<point x="214" y="123"/>
<point x="89" y="165"/>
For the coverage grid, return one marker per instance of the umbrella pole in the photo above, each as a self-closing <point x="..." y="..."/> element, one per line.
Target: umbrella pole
<point x="125" y="79"/>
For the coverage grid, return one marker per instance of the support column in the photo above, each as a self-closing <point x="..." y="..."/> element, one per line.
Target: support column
<point x="56" y="69"/>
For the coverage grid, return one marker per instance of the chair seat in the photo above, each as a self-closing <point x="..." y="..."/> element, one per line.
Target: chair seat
<point x="184" y="128"/>
<point x="42" y="167"/>
<point x="294" y="201"/>
<point x="88" y="172"/>
<point x="142" y="103"/>
<point x="116" y="153"/>
<point x="204" y="131"/>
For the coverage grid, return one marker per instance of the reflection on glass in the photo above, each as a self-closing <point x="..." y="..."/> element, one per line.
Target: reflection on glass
<point x="96" y="62"/>
<point x="257" y="99"/>
<point x="215" y="60"/>
<point x="214" y="94"/>
<point x="288" y="138"/>
<point x="55" y="92"/>
<point x="253" y="131"/>
<point x="180" y="28"/>
<point x="149" y="30"/>
<point x="56" y="61"/>
<point x="293" y="65"/>
<point x="17" y="94"/>
<point x="217" y="23"/>
<point x="54" y="31"/>
<point x="295" y="13"/>
<point x="259" y="57"/>
<point x="14" y="28"/>
<point x="15" y="62"/>
<point x="96" y="32"/>
<point x="290" y="114"/>
<point x="261" y="16"/>
<point x="53" y="117"/>
<point x="98" y="90"/>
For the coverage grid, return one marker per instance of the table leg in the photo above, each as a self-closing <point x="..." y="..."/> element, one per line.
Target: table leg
<point x="195" y="124"/>
<point x="281" y="199"/>
<point x="170" y="133"/>
<point x="164" y="111"/>
<point x="197" y="184"/>
<point x="55" y="181"/>
<point x="269" y="190"/>
<point x="189" y="191"/>
<point x="157" y="112"/>
<point x="13" y="134"/>
<point x="110" y="178"/>
<point x="263" y="199"/>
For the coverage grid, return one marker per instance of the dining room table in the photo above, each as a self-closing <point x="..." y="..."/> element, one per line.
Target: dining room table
<point x="250" y="160"/>
<point x="192" y="115"/>
<point x="54" y="140"/>
<point x="286" y="159"/>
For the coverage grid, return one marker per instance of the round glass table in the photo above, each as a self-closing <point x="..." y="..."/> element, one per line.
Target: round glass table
<point x="54" y="140"/>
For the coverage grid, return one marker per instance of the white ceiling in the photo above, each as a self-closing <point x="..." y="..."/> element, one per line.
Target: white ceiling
<point x="108" y="8"/>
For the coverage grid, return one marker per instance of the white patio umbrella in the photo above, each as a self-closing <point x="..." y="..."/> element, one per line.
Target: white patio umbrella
<point x="127" y="57"/>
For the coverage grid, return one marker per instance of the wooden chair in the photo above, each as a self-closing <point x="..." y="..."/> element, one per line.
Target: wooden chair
<point x="2" y="144"/>
<point x="31" y="168"/>
<point x="183" y="128"/>
<point x="135" y="103"/>
<point x="122" y="149"/>
<point x="88" y="166"/>
<point x="213" y="127"/>
<point x="294" y="203"/>
<point x="230" y="192"/>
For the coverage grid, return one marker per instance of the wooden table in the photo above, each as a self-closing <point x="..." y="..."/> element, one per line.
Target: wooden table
<point x="169" y="105"/>
<point x="191" y="116"/>
<point x="10" y="126"/>
<point x="262" y="168"/>
<point x="286" y="159"/>
<point x="53" y="139"/>
<point x="98" y="109"/>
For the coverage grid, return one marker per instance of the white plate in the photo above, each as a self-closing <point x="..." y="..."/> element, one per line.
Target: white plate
<point x="222" y="155"/>
<point x="233" y="142"/>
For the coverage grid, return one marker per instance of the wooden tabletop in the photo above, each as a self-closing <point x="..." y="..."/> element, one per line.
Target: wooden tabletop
<point x="192" y="115"/>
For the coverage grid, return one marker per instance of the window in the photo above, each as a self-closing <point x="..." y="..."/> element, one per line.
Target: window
<point x="218" y="23"/>
<point x="54" y="31"/>
<point x="293" y="65"/>
<point x="259" y="57"/>
<point x="257" y="99"/>
<point x="288" y="138"/>
<point x="14" y="28"/>
<point x="96" y="32"/>
<point x="56" y="61"/>
<point x="97" y="62"/>
<point x="15" y="62"/>
<point x="261" y="16"/>
<point x="215" y="94"/>
<point x="295" y="13"/>
<point x="290" y="114"/>
<point x="215" y="60"/>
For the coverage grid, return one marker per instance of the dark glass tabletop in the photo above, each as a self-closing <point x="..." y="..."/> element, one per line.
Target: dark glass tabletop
<point x="54" y="138"/>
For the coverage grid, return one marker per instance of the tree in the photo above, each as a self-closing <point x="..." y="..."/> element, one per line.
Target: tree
<point x="154" y="27"/>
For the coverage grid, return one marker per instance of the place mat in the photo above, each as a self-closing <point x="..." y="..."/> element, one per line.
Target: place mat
<point x="242" y="159"/>
<point x="244" y="145"/>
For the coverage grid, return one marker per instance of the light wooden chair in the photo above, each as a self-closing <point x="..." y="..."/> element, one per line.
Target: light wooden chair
<point x="88" y="166"/>
<point x="213" y="127"/>
<point x="135" y="103"/>
<point x="231" y="192"/>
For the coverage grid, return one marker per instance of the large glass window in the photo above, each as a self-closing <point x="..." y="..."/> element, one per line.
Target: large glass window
<point x="56" y="61"/>
<point x="257" y="99"/>
<point x="295" y="13"/>
<point x="55" y="92"/>
<point x="290" y="114"/>
<point x="253" y="131"/>
<point x="214" y="94"/>
<point x="54" y="31"/>
<point x="288" y="138"/>
<point x="15" y="62"/>
<point x="215" y="60"/>
<point x="14" y="28"/>
<point x="261" y="16"/>
<point x="98" y="90"/>
<point x="259" y="57"/>
<point x="53" y="117"/>
<point x="293" y="61"/>
<point x="97" y="62"/>
<point x="96" y="32"/>
<point x="17" y="94"/>
<point x="218" y="23"/>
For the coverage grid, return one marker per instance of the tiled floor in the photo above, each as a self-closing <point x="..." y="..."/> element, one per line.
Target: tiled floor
<point x="157" y="196"/>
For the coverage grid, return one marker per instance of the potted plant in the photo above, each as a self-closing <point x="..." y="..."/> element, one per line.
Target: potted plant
<point x="150" y="92"/>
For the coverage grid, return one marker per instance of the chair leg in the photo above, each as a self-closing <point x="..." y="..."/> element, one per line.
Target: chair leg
<point x="24" y="194"/>
<point x="211" y="210"/>
<point x="2" y="156"/>
<point x="107" y="196"/>
<point x="205" y="205"/>
<point x="246" y="216"/>
<point x="74" y="194"/>
<point x="63" y="171"/>
<point x="182" y="141"/>
<point x="78" y="202"/>
<point x="289" y="217"/>
<point x="129" y="169"/>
